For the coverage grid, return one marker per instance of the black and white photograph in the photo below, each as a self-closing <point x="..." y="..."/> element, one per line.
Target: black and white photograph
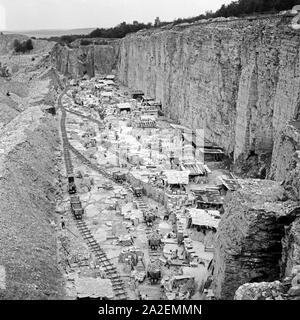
<point x="150" y="151"/>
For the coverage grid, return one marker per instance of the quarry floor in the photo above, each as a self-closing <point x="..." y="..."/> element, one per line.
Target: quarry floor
<point x="110" y="210"/>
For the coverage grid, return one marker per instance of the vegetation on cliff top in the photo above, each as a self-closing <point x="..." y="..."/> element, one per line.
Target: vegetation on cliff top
<point x="241" y="7"/>
<point x="235" y="8"/>
<point x="23" y="46"/>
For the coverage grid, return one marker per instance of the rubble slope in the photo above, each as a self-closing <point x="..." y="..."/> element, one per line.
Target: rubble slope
<point x="28" y="185"/>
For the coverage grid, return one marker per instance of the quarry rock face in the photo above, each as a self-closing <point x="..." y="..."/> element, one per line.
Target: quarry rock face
<point x="239" y="80"/>
<point x="291" y="247"/>
<point x="83" y="60"/>
<point x="74" y="62"/>
<point x="249" y="244"/>
<point x="284" y="157"/>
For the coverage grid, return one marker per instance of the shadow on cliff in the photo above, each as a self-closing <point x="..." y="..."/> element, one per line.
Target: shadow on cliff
<point x="252" y="165"/>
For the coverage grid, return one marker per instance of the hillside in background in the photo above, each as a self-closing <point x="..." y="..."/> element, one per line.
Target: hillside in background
<point x="235" y="8"/>
<point x="52" y="32"/>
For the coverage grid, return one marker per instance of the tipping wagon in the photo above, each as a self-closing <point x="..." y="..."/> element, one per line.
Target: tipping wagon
<point x="119" y="177"/>
<point x="154" y="241"/>
<point x="154" y="271"/>
<point x="72" y="185"/>
<point x="137" y="191"/>
<point x="149" y="218"/>
<point x="76" y="207"/>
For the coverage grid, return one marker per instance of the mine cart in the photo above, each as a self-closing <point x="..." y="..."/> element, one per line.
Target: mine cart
<point x="149" y="217"/>
<point x="154" y="241"/>
<point x="74" y="199"/>
<point x="77" y="210"/>
<point x="154" y="272"/>
<point x="137" y="191"/>
<point x="119" y="177"/>
<point x="72" y="185"/>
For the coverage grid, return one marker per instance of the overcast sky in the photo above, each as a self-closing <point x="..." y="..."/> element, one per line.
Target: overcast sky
<point x="69" y="14"/>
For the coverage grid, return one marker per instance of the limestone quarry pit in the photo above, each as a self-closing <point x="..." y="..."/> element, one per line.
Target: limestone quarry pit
<point x="163" y="165"/>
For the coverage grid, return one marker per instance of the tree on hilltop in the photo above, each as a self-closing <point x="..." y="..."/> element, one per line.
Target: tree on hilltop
<point x="157" y="22"/>
<point x="23" y="46"/>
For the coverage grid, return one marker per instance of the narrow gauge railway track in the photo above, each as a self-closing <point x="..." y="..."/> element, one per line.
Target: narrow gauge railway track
<point x="84" y="116"/>
<point x="140" y="202"/>
<point x="108" y="267"/>
<point x="118" y="284"/>
<point x="80" y="114"/>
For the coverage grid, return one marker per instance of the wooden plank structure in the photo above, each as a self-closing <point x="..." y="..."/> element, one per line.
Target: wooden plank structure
<point x="208" y="199"/>
<point x="146" y="100"/>
<point x="212" y="154"/>
<point x="147" y="123"/>
<point x="195" y="168"/>
<point x="230" y="184"/>
<point x="137" y="94"/>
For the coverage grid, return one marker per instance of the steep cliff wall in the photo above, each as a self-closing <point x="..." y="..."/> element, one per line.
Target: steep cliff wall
<point x="284" y="154"/>
<point x="291" y="247"/>
<point x="249" y="245"/>
<point x="82" y="60"/>
<point x="239" y="79"/>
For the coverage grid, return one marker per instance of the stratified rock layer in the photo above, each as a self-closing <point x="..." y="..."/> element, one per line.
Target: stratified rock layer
<point x="291" y="247"/>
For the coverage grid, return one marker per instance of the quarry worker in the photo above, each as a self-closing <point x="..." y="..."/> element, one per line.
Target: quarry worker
<point x="174" y="254"/>
<point x="63" y="225"/>
<point x="168" y="262"/>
